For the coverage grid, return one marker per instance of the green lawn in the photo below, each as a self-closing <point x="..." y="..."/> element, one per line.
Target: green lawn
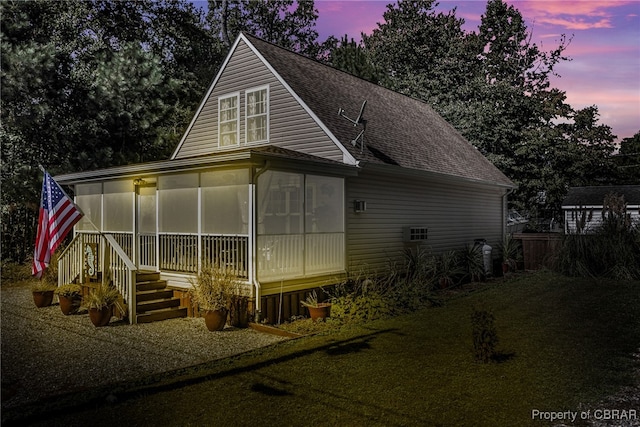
<point x="563" y="342"/>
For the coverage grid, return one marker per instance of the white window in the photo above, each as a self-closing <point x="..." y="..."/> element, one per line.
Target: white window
<point x="257" y="115"/>
<point x="228" y="116"/>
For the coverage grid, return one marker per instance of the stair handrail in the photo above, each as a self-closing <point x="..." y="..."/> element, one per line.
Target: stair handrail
<point x="68" y="271"/>
<point x="122" y="273"/>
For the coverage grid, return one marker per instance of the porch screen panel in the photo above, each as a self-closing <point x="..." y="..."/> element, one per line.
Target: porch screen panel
<point x="225" y="202"/>
<point x="118" y="206"/>
<point x="178" y="222"/>
<point x="147" y="210"/>
<point x="178" y="203"/>
<point x="89" y="199"/>
<point x="280" y="225"/>
<point x="324" y="210"/>
<point x="324" y="224"/>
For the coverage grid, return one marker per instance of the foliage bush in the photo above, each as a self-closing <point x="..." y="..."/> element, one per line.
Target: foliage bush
<point x="485" y="337"/>
<point x="612" y="250"/>
<point x="362" y="299"/>
<point x="13" y="272"/>
<point x="214" y="288"/>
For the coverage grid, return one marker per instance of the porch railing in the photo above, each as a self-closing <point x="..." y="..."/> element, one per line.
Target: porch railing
<point x="113" y="263"/>
<point x="227" y="251"/>
<point x="181" y="252"/>
<point x="294" y="255"/>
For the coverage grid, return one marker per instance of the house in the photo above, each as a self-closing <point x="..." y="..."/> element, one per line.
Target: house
<point x="583" y="206"/>
<point x="293" y="174"/>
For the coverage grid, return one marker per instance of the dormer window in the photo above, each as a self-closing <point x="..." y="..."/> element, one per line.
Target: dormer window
<point x="257" y="115"/>
<point x="228" y="116"/>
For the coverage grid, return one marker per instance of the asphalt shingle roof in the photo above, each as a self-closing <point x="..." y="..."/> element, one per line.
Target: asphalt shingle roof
<point x="400" y="130"/>
<point x="594" y="196"/>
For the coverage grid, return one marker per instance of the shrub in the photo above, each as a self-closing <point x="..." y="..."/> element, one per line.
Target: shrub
<point x="612" y="250"/>
<point x="363" y="299"/>
<point x="473" y="262"/>
<point x="418" y="263"/>
<point x="485" y="337"/>
<point x="214" y="288"/>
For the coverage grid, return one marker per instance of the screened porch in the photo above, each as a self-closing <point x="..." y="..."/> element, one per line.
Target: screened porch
<point x="174" y="223"/>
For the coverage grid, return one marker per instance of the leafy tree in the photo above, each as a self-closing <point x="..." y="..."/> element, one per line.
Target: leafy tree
<point x="352" y="57"/>
<point x="276" y="21"/>
<point x="628" y="160"/>
<point x="93" y="84"/>
<point x="424" y="54"/>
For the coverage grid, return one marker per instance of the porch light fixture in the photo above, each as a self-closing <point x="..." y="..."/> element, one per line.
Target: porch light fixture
<point x="139" y="181"/>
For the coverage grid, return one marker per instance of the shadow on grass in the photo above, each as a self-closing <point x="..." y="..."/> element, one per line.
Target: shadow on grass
<point x="502" y="357"/>
<point x="168" y="381"/>
<point x="269" y="390"/>
<point x="349" y="347"/>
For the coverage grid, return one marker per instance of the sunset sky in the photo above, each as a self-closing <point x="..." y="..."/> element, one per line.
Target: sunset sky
<point x="605" y="49"/>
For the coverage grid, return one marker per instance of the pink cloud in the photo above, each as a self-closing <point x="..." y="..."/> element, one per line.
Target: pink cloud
<point x="572" y="15"/>
<point x="579" y="24"/>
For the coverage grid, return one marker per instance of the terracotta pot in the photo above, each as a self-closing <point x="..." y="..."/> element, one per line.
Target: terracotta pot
<point x="69" y="305"/>
<point x="505" y="267"/>
<point x="42" y="298"/>
<point x="215" y="319"/>
<point x="100" y="316"/>
<point x="445" y="282"/>
<point x="322" y="311"/>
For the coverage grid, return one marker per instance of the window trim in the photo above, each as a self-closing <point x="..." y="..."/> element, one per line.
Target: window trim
<point x="247" y="116"/>
<point x="237" y="119"/>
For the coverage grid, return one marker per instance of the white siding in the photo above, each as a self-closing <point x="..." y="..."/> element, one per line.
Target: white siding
<point x="592" y="218"/>
<point x="455" y="213"/>
<point x="290" y="125"/>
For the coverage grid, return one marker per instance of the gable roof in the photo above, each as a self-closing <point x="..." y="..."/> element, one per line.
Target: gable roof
<point x="594" y="196"/>
<point x="400" y="130"/>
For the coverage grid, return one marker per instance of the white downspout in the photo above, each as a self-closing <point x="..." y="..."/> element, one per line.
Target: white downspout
<point x="254" y="237"/>
<point x="505" y="211"/>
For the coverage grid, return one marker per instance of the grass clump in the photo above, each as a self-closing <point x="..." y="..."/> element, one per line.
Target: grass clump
<point x="485" y="337"/>
<point x="611" y="250"/>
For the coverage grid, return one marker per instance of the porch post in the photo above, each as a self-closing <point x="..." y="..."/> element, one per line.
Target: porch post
<point x="252" y="273"/>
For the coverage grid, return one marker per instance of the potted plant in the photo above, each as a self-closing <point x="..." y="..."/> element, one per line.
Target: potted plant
<point x="212" y="291"/>
<point x="43" y="293"/>
<point x="510" y="248"/>
<point x="70" y="296"/>
<point x="43" y="289"/>
<point x="446" y="267"/>
<point x="317" y="310"/>
<point x="100" y="303"/>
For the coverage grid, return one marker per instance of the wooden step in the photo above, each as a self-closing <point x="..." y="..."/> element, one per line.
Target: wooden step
<point x="154" y="302"/>
<point x="157" y="304"/>
<point x="151" y="285"/>
<point x="147" y="276"/>
<point x="166" y="313"/>
<point x="153" y="294"/>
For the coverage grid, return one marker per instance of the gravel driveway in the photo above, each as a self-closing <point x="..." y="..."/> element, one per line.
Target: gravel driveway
<point x="47" y="354"/>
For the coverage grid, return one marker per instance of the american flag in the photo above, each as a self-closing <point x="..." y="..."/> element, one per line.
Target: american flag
<point x="57" y="216"/>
